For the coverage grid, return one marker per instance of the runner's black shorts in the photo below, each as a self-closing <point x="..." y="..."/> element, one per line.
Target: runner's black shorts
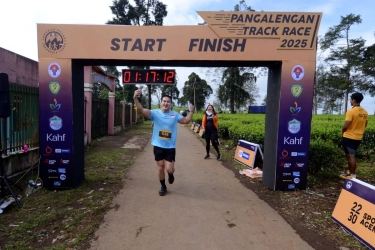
<point x="168" y="154"/>
<point x="350" y="145"/>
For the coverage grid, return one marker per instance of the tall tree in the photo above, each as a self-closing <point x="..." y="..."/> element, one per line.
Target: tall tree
<point x="264" y="101"/>
<point x="242" y="6"/>
<point x="345" y="52"/>
<point x="196" y="91"/>
<point x="142" y="13"/>
<point x="171" y="90"/>
<point x="232" y="92"/>
<point x="368" y="66"/>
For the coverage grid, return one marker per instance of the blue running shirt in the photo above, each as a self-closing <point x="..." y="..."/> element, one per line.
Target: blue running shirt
<point x="165" y="128"/>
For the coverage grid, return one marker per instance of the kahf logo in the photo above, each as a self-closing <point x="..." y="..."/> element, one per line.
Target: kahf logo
<point x="298" y="72"/>
<point x="296" y="90"/>
<point x="54" y="70"/>
<point x="55" y="123"/>
<point x="294" y="126"/>
<point x="349" y="185"/>
<point x="54" y="41"/>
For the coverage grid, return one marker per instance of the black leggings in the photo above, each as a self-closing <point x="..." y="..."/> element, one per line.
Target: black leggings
<point x="210" y="135"/>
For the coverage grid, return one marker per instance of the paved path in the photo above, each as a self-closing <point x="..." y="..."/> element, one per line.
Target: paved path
<point x="206" y="208"/>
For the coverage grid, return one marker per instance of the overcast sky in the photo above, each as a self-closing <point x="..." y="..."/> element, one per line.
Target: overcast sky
<point x="18" y="21"/>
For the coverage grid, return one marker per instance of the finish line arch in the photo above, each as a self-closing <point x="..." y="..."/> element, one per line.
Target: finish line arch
<point x="285" y="42"/>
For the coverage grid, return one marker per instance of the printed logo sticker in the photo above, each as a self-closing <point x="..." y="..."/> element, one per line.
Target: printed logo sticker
<point x="294" y="126"/>
<point x="55" y="106"/>
<point x="300" y="165"/>
<point x="349" y="185"/>
<point x="48" y="150"/>
<point x="55" y="123"/>
<point x="54" y="70"/>
<point x="62" y="177"/>
<point x="54" y="87"/>
<point x="296" y="90"/>
<point x="298" y="72"/>
<point x="61" y="170"/>
<point x="295" y="109"/>
<point x="54" y="41"/>
<point x="284" y="153"/>
<point x="296" y="174"/>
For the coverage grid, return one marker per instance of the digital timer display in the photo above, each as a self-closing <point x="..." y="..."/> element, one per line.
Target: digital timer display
<point x="148" y="76"/>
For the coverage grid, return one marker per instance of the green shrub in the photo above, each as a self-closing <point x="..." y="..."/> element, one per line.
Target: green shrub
<point x="325" y="158"/>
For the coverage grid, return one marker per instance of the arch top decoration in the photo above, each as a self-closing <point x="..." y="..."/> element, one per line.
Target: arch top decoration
<point x="285" y="42"/>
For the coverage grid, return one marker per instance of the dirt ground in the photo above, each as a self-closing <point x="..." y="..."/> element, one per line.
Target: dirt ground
<point x="307" y="211"/>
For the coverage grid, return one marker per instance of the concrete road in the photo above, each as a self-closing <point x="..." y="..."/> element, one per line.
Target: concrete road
<point x="205" y="208"/>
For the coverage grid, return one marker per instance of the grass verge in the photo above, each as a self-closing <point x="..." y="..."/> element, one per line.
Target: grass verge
<point x="65" y="219"/>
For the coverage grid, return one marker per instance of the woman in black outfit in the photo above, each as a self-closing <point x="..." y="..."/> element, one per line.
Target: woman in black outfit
<point x="210" y="126"/>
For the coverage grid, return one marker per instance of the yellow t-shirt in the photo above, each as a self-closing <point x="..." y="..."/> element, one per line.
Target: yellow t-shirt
<point x="358" y="117"/>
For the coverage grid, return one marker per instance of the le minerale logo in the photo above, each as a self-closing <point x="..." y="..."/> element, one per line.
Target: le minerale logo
<point x="55" y="123"/>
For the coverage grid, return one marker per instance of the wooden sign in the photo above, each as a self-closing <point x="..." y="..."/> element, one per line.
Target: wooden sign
<point x="248" y="154"/>
<point x="355" y="211"/>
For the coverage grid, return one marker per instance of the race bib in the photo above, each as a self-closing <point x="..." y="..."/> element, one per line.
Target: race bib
<point x="165" y="134"/>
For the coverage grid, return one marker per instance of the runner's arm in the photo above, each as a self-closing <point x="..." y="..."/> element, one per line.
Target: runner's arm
<point x="189" y="117"/>
<point x="143" y="111"/>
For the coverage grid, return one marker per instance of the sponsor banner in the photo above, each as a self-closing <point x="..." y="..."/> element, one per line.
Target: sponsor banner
<point x="56" y="130"/>
<point x="247" y="152"/>
<point x="294" y="124"/>
<point x="355" y="211"/>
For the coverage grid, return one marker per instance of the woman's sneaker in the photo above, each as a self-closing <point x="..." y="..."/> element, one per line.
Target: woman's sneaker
<point x="206" y="157"/>
<point x="218" y="157"/>
<point x="348" y="176"/>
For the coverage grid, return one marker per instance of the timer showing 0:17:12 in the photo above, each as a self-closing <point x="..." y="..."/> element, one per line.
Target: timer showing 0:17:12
<point x="148" y="76"/>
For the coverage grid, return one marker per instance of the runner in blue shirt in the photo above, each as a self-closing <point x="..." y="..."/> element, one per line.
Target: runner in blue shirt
<point x="164" y="135"/>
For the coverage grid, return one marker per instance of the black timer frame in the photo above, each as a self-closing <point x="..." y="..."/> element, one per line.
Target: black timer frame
<point x="148" y="76"/>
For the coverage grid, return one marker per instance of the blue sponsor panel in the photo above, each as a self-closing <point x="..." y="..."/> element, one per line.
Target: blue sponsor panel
<point x="246" y="153"/>
<point x="294" y="128"/>
<point x="56" y="130"/>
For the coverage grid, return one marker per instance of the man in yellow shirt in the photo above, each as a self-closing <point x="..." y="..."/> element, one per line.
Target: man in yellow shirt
<point x="352" y="132"/>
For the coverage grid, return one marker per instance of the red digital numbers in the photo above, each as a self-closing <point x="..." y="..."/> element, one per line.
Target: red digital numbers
<point x="169" y="76"/>
<point x="126" y="76"/>
<point x="153" y="73"/>
<point x="154" y="76"/>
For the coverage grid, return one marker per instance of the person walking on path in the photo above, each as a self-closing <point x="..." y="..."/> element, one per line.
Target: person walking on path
<point x="352" y="132"/>
<point x="210" y="126"/>
<point x="164" y="135"/>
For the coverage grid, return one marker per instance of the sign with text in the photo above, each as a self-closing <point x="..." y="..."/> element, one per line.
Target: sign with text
<point x="241" y="37"/>
<point x="355" y="211"/>
<point x="248" y="154"/>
